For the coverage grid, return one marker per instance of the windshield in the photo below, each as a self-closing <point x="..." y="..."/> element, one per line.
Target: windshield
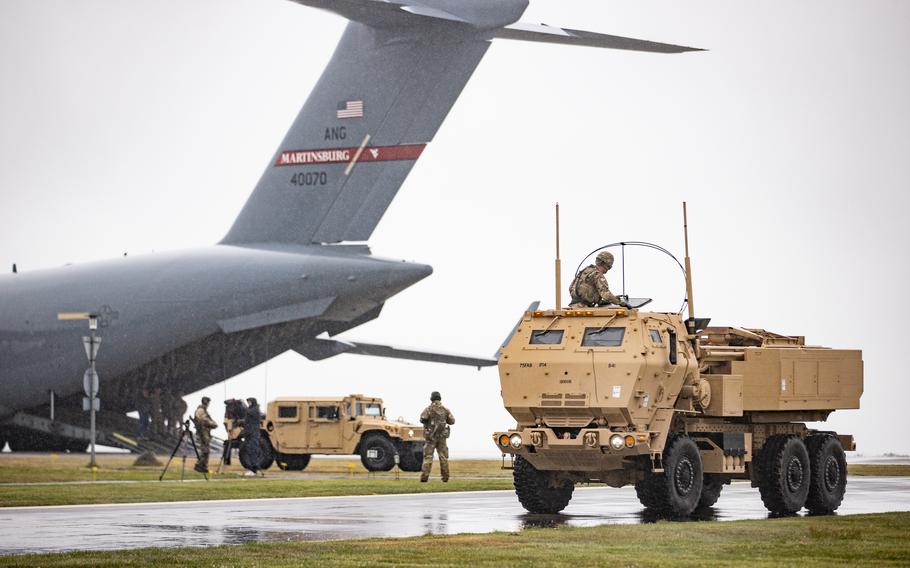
<point x="603" y="336"/>
<point x="370" y="408"/>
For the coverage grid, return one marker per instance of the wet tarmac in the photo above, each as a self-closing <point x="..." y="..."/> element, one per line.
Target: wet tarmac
<point x="208" y="523"/>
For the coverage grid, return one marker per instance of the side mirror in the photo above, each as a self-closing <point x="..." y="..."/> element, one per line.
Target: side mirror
<point x="671" y="332"/>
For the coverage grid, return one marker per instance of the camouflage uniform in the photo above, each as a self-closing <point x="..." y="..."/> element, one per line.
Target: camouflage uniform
<point x="436" y="420"/>
<point x="204" y="427"/>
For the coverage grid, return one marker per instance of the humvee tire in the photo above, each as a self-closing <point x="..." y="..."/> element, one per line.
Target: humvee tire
<point x="828" y="467"/>
<point x="710" y="490"/>
<point x="2" y="442"/>
<point x="292" y="462"/>
<point x="382" y="450"/>
<point x="677" y="490"/>
<point x="535" y="492"/>
<point x="266" y="456"/>
<point x="410" y="458"/>
<point x="784" y="474"/>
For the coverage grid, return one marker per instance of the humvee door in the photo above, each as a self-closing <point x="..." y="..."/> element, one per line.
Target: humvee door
<point x="325" y="425"/>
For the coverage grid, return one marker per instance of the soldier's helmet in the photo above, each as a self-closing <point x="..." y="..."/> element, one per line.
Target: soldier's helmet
<point x="206" y="400"/>
<point x="252" y="401"/>
<point x="435" y="396"/>
<point x="606" y="258"/>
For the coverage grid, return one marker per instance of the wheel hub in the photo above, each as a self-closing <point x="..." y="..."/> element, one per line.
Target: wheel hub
<point x="684" y="476"/>
<point x="794" y="474"/>
<point x="832" y="473"/>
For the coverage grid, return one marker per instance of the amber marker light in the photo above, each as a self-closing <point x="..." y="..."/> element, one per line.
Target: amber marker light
<point x="630" y="441"/>
<point x="504" y="440"/>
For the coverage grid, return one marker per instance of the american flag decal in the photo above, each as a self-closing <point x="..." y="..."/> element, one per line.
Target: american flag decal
<point x="350" y="109"/>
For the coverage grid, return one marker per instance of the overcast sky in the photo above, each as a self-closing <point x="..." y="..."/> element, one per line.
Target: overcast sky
<point x="143" y="126"/>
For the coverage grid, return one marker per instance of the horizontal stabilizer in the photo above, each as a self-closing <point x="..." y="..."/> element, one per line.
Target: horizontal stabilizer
<point x="549" y="34"/>
<point x="318" y="349"/>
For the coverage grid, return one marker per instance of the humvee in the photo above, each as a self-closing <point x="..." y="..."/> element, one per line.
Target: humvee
<point x="619" y="395"/>
<point x="295" y="428"/>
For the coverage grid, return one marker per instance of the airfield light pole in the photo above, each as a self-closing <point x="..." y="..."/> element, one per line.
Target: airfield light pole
<point x="92" y="343"/>
<point x="90" y="382"/>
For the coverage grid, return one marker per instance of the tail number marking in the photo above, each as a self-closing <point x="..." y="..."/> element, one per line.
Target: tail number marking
<point x="304" y="179"/>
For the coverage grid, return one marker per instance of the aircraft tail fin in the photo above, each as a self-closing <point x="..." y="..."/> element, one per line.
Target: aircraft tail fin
<point x="377" y="105"/>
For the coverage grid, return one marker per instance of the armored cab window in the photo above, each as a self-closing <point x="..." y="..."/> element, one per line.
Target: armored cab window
<point x="603" y="336"/>
<point x="287" y="412"/>
<point x="655" y="337"/>
<point x="327" y="412"/>
<point x="542" y="337"/>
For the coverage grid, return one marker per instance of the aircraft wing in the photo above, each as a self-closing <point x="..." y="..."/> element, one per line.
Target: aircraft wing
<point x="549" y="34"/>
<point x="318" y="349"/>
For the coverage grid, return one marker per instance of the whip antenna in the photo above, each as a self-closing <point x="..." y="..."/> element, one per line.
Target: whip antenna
<point x="688" y="266"/>
<point x="558" y="264"/>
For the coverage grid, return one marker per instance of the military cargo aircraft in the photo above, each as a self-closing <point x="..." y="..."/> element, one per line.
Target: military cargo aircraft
<point x="294" y="270"/>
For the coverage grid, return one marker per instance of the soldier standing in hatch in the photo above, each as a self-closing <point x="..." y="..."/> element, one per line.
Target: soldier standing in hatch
<point x="204" y="426"/>
<point x="589" y="288"/>
<point x="436" y="420"/>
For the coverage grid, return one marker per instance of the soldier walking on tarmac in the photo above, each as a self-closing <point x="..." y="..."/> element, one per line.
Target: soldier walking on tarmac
<point x="204" y="426"/>
<point x="436" y="420"/>
<point x="589" y="288"/>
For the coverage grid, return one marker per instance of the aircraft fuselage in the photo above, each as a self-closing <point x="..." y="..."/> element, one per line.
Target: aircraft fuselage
<point x="151" y="305"/>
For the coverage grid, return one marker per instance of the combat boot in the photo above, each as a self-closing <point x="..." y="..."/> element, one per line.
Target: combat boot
<point x="425" y="472"/>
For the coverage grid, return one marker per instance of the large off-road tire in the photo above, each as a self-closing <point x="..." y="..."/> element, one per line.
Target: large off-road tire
<point x="410" y="456"/>
<point x="784" y="474"/>
<point x="710" y="490"/>
<point x="828" y="466"/>
<point x="535" y="491"/>
<point x="377" y="452"/>
<point x="675" y="491"/>
<point x="265" y="455"/>
<point x="292" y="462"/>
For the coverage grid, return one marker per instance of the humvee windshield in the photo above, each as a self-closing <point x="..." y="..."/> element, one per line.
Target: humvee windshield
<point x="370" y="408"/>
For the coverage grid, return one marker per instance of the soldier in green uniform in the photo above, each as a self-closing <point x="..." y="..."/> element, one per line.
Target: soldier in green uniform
<point x="436" y="420"/>
<point x="204" y="426"/>
<point x="589" y="288"/>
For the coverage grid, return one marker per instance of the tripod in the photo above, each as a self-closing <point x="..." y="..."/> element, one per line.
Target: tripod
<point x="185" y="432"/>
<point x="226" y="453"/>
